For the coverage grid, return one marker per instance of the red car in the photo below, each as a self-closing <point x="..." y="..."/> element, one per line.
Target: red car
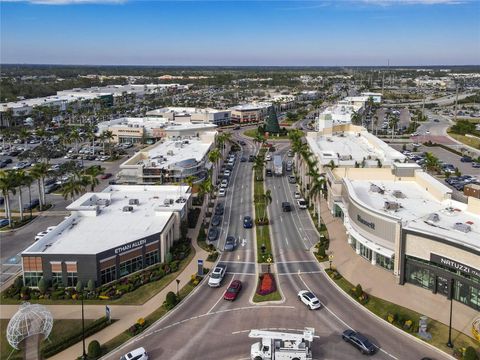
<point x="233" y="290"/>
<point x="106" y="176"/>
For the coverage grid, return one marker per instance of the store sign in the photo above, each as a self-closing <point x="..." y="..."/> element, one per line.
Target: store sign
<point x="370" y="224"/>
<point x="132" y="245"/>
<point x="454" y="265"/>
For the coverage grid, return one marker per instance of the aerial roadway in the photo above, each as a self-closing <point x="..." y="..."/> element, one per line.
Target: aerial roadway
<point x="205" y="326"/>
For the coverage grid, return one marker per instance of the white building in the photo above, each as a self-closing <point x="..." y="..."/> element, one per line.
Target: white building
<point x="194" y="115"/>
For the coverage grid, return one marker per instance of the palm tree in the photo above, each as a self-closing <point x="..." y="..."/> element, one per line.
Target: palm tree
<point x="21" y="179"/>
<point x="357" y="118"/>
<point x="431" y="162"/>
<point x="7" y="186"/>
<point x="72" y="188"/>
<point x="267" y="199"/>
<point x="24" y="134"/>
<point x="260" y="139"/>
<point x="75" y="137"/>
<point x="90" y="176"/>
<point x="316" y="193"/>
<point x="39" y="173"/>
<point x="206" y="188"/>
<point x="189" y="180"/>
<point x="258" y="166"/>
<point x="213" y="157"/>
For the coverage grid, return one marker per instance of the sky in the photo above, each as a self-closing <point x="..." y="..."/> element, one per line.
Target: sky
<point x="244" y="33"/>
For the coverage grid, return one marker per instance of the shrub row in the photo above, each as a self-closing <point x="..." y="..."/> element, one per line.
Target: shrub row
<point x="193" y="215"/>
<point x="61" y="344"/>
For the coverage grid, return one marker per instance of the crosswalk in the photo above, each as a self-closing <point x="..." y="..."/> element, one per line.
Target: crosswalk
<point x="282" y="268"/>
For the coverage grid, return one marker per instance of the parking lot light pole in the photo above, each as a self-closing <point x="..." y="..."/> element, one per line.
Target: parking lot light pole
<point x="330" y="260"/>
<point x="84" y="355"/>
<point x="178" y="282"/>
<point x="450" y="343"/>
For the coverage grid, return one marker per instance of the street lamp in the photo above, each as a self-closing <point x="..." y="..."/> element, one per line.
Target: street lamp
<point x="178" y="282"/>
<point x="84" y="356"/>
<point x="330" y="259"/>
<point x="450" y="343"/>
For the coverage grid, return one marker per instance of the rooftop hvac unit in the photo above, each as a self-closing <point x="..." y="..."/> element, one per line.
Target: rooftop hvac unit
<point x="434" y="217"/>
<point x="398" y="194"/>
<point x="133" y="202"/>
<point x="465" y="228"/>
<point x="391" y="205"/>
<point x="376" y="188"/>
<point x="168" y="202"/>
<point x="127" y="209"/>
<point x="170" y="152"/>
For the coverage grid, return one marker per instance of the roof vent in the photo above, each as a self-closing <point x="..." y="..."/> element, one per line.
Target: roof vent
<point x="465" y="228"/>
<point x="168" y="202"/>
<point x="127" y="209"/>
<point x="434" y="217"/>
<point x="398" y="194"/>
<point x="392" y="205"/>
<point x="133" y="202"/>
<point x="376" y="188"/>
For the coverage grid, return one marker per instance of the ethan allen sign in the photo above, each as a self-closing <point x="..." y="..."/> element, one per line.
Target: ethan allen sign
<point x="454" y="265"/>
<point x="132" y="245"/>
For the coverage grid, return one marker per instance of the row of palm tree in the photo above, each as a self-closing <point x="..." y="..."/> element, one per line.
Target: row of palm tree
<point x="310" y="179"/>
<point x="81" y="181"/>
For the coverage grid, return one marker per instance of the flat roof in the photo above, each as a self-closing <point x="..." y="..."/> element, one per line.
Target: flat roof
<point x="249" y="107"/>
<point x="91" y="231"/>
<point x="346" y="148"/>
<point x="415" y="209"/>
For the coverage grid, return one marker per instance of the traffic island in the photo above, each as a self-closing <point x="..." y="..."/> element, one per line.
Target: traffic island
<point x="405" y="319"/>
<point x="267" y="288"/>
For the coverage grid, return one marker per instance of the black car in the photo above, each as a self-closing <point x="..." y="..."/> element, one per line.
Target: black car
<point x="2" y="165"/>
<point x="359" y="341"/>
<point x="7" y="161"/>
<point x="467" y="159"/>
<point x="213" y="234"/>
<point x="247" y="222"/>
<point x="286" y="207"/>
<point x="251" y="158"/>
<point x="242" y="142"/>
<point x="230" y="243"/>
<point x="51" y="188"/>
<point x="14" y="153"/>
<point x="216" y="220"/>
<point x="268" y="172"/>
<point x="32" y="205"/>
<point x="219" y="209"/>
<point x="243" y="159"/>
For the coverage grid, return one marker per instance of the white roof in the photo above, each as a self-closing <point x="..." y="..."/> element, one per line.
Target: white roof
<point x="189" y="126"/>
<point x="347" y="147"/>
<point x="252" y="106"/>
<point x="416" y="207"/>
<point x="88" y="231"/>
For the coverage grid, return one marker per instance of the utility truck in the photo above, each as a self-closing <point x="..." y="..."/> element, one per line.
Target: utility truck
<point x="277" y="165"/>
<point x="281" y="345"/>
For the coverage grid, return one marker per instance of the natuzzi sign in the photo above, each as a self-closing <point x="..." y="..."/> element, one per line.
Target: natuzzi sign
<point x="454" y="265"/>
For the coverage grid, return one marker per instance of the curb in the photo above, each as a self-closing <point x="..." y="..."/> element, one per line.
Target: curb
<point x="383" y="320"/>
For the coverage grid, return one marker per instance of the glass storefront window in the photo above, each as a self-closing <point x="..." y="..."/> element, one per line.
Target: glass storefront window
<point x="130" y="266"/>
<point x="354" y="243"/>
<point x="108" y="275"/>
<point x="31" y="278"/>
<point x="151" y="258"/>
<point x="419" y="276"/>
<point x="384" y="261"/>
<point x="365" y="252"/>
<point x="57" y="278"/>
<point x="72" y="279"/>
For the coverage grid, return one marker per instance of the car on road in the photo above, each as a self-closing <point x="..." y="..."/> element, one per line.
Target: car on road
<point x="286" y="207"/>
<point x="233" y="290"/>
<point x="360" y="341"/>
<point x="251" y="158"/>
<point x="4" y="222"/>
<point x="302" y="204"/>
<point x="243" y="159"/>
<point x="241" y="142"/>
<point x="137" y="354"/>
<point x="216" y="220"/>
<point x="247" y="222"/>
<point x="222" y="191"/>
<point x="219" y="209"/>
<point x="436" y="120"/>
<point x="106" y="176"/>
<point x="290" y="153"/>
<point x="213" y="234"/>
<point x="291" y="179"/>
<point x="230" y="243"/>
<point x="217" y="275"/>
<point x="309" y="299"/>
<point x="297" y="195"/>
<point x="51" y="188"/>
<point x="466" y="159"/>
<point x="476" y="165"/>
<point x="268" y="172"/>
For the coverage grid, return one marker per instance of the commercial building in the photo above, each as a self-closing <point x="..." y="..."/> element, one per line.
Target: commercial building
<point x="397" y="216"/>
<point x="109" y="234"/>
<point x="250" y="113"/>
<point x="193" y="115"/>
<point x="134" y="130"/>
<point x="172" y="159"/>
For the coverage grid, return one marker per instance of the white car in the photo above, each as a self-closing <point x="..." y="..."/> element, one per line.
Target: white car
<point x="302" y="204"/>
<point x="226" y="173"/>
<point x="137" y="354"/>
<point x="268" y="157"/>
<point x="222" y="192"/>
<point x="224" y="183"/>
<point x="309" y="299"/>
<point x="297" y="195"/>
<point x="217" y="275"/>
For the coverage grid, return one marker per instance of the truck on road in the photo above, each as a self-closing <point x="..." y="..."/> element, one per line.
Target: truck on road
<point x="281" y="345"/>
<point x="278" y="165"/>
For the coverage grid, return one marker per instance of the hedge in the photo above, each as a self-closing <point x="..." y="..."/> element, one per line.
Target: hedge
<point x="60" y="344"/>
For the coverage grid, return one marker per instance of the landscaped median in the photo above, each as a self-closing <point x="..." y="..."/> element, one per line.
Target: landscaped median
<point x="406" y="319"/>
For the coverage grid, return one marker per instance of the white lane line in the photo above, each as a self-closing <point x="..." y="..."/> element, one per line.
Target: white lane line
<point x="221" y="297"/>
<point x="296" y="261"/>
<point x="238" y="262"/>
<point x="241" y="273"/>
<point x="286" y="240"/>
<point x="301" y="272"/>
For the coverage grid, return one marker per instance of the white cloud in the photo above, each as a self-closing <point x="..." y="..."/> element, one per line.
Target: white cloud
<point x="67" y="2"/>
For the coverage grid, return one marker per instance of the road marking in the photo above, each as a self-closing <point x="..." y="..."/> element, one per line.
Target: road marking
<point x="286" y="239"/>
<point x="300" y="272"/>
<point x="237" y="262"/>
<point x="240" y="273"/>
<point x="297" y="261"/>
<point x="221" y="297"/>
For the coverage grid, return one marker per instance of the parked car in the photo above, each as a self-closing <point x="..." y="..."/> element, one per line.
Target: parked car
<point x="233" y="290"/>
<point x="247" y="222"/>
<point x="230" y="243"/>
<point x="309" y="299"/>
<point x="219" y="209"/>
<point x="302" y="204"/>
<point x="286" y="207"/>
<point x="243" y="159"/>
<point x="106" y="176"/>
<point x="224" y="183"/>
<point x="227" y="173"/>
<point x="54" y="167"/>
<point x="21" y="165"/>
<point x="2" y="164"/>
<point x="290" y="153"/>
<point x="213" y="234"/>
<point x="217" y="275"/>
<point x="360" y="341"/>
<point x="7" y="161"/>
<point x="51" y="188"/>
<point x="32" y="205"/>
<point x="291" y="179"/>
<point x="476" y="165"/>
<point x="466" y="159"/>
<point x="4" y="222"/>
<point x="216" y="220"/>
<point x="268" y="157"/>
<point x="241" y="142"/>
<point x="137" y="354"/>
<point x="222" y="191"/>
<point x="297" y="195"/>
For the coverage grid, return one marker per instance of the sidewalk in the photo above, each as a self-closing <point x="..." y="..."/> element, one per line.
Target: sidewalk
<point x="125" y="315"/>
<point x="383" y="284"/>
